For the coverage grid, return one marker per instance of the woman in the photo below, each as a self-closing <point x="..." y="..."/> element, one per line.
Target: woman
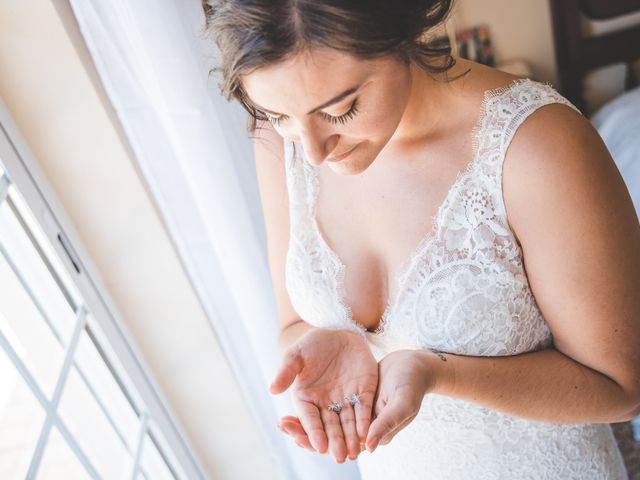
<point x="455" y="266"/>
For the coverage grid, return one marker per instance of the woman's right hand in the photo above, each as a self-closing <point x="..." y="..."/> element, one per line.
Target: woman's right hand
<point x="325" y="365"/>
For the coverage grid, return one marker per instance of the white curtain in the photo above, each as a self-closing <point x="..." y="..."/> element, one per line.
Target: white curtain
<point x="192" y="149"/>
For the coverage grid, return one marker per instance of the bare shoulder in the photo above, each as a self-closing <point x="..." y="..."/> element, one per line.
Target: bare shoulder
<point x="570" y="210"/>
<point x="556" y="151"/>
<point x="475" y="79"/>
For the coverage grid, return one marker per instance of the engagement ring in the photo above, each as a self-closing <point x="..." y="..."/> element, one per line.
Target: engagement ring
<point x="353" y="399"/>
<point x="335" y="407"/>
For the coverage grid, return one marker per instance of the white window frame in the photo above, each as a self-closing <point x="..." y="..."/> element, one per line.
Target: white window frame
<point x="156" y="419"/>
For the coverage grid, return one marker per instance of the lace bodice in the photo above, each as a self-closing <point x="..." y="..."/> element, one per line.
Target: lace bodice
<point x="463" y="290"/>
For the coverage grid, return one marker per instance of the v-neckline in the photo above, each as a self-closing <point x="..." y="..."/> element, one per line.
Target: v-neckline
<point x="405" y="267"/>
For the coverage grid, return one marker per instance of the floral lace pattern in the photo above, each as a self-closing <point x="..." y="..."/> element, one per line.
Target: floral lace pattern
<point x="464" y="291"/>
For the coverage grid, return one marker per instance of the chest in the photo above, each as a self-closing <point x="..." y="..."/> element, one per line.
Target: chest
<point x="375" y="225"/>
<point x="425" y="253"/>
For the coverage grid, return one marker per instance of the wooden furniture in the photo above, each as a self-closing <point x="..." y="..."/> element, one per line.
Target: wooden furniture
<point x="577" y="55"/>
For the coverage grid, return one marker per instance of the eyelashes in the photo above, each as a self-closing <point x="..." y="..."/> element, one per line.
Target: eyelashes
<point x="341" y="119"/>
<point x="345" y="117"/>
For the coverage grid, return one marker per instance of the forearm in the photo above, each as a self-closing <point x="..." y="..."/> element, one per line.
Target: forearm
<point x="545" y="385"/>
<point x="293" y="332"/>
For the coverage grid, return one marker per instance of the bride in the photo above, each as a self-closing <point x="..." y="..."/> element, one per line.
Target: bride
<point x="453" y="251"/>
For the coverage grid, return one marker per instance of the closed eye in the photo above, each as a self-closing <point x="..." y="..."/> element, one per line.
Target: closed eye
<point x="333" y="119"/>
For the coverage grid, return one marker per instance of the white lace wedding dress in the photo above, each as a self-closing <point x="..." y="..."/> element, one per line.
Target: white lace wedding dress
<point x="464" y="291"/>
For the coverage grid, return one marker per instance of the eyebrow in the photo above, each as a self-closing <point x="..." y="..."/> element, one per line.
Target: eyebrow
<point x="335" y="99"/>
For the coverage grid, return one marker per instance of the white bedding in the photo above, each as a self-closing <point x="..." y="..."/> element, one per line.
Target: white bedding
<point x="618" y="122"/>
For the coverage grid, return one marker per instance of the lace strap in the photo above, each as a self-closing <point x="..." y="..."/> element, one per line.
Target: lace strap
<point x="527" y="97"/>
<point x="503" y="111"/>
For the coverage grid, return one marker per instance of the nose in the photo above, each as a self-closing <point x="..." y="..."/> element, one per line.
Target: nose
<point x="315" y="145"/>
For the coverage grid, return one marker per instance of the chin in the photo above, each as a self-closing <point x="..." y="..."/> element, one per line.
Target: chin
<point x="349" y="166"/>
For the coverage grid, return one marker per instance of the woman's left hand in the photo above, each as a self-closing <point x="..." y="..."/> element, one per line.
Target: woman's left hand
<point x="405" y="376"/>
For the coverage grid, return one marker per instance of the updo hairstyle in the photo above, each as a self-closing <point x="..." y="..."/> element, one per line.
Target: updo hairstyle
<point x="251" y="34"/>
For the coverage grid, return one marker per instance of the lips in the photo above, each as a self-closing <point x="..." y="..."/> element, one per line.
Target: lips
<point x="337" y="158"/>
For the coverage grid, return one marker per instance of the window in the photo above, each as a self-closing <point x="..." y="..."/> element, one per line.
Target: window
<point x="75" y="402"/>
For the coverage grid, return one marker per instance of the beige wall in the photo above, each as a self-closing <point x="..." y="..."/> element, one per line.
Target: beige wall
<point x="53" y="94"/>
<point x="520" y="30"/>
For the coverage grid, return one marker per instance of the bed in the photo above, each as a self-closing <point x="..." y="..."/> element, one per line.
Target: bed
<point x="579" y="55"/>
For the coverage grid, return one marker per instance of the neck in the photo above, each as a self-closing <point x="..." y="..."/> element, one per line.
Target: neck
<point x="429" y="100"/>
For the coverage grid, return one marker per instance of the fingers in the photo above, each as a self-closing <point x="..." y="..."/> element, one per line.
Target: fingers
<point x="362" y="412"/>
<point x="305" y="444"/>
<point x="295" y="430"/>
<point x="380" y="404"/>
<point x="348" y="423"/>
<point x="312" y="423"/>
<point x="291" y="365"/>
<point x="333" y="427"/>
<point x="291" y="426"/>
<point x="390" y="419"/>
<point x="387" y="437"/>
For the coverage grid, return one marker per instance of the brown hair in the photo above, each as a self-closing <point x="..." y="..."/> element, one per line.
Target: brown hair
<point x="254" y="33"/>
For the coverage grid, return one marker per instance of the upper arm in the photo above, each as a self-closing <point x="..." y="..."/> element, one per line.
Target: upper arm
<point x="580" y="237"/>
<point x="270" y="171"/>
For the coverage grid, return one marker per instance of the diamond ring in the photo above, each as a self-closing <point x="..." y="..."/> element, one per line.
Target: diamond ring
<point x="335" y="407"/>
<point x="352" y="399"/>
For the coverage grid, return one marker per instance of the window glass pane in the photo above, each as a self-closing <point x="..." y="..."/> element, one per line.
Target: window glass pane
<point x="21" y="419"/>
<point x="95" y="371"/>
<point x="43" y="242"/>
<point x="38" y="299"/>
<point x="22" y="325"/>
<point x="92" y="430"/>
<point x="152" y="463"/>
<point x="59" y="461"/>
<point x="59" y="314"/>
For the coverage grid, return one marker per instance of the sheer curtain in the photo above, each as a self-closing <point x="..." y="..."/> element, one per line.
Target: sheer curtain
<point x="192" y="150"/>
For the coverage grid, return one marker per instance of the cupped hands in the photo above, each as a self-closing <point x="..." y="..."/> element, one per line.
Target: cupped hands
<point x="404" y="377"/>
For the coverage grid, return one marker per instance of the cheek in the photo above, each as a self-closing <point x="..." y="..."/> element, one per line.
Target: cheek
<point x="382" y="120"/>
<point x="387" y="107"/>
